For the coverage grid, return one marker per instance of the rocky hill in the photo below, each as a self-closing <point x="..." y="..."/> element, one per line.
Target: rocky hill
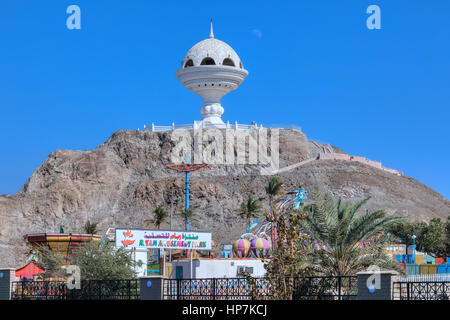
<point x="119" y="183"/>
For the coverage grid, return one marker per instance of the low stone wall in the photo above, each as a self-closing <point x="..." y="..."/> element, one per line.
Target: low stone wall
<point x="333" y="156"/>
<point x="340" y="156"/>
<point x="393" y="171"/>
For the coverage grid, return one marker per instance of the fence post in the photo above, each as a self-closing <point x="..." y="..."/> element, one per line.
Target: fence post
<point x="152" y="287"/>
<point x="99" y="290"/>
<point x="214" y="289"/>
<point x="372" y="292"/>
<point x="339" y="287"/>
<point x="7" y="277"/>
<point x="408" y="290"/>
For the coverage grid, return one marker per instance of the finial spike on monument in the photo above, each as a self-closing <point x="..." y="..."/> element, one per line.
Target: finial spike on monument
<point x="211" y="33"/>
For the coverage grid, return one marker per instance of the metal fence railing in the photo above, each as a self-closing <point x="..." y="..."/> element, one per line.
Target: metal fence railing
<point x="326" y="288"/>
<point x="424" y="290"/>
<point x="307" y="288"/>
<point x="89" y="290"/>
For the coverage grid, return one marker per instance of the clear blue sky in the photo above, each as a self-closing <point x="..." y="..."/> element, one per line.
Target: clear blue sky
<point x="383" y="94"/>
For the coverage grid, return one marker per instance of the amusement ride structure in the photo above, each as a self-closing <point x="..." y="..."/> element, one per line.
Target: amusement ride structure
<point x="260" y="235"/>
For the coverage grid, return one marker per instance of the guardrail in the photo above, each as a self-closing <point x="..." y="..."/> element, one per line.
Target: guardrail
<point x="228" y="125"/>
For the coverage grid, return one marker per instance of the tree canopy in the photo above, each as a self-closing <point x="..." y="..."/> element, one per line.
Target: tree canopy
<point x="159" y="216"/>
<point x="432" y="237"/>
<point x="97" y="261"/>
<point x="102" y="261"/>
<point x="250" y="208"/>
<point x="91" y="227"/>
<point x="346" y="241"/>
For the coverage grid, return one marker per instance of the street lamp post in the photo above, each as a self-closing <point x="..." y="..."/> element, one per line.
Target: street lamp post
<point x="187" y="167"/>
<point x="172" y="201"/>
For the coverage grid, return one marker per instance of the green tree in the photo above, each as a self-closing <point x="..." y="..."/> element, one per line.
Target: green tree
<point x="337" y="230"/>
<point x="91" y="228"/>
<point x="51" y="261"/>
<point x="433" y="238"/>
<point x="187" y="215"/>
<point x="274" y="188"/>
<point x="99" y="261"/>
<point x="290" y="257"/>
<point x="159" y="216"/>
<point x="403" y="230"/>
<point x="250" y="208"/>
<point x="400" y="231"/>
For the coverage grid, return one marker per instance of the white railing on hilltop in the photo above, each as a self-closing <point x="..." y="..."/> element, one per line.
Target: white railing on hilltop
<point x="228" y="125"/>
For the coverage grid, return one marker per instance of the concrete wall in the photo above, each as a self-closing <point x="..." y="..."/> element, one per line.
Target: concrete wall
<point x="375" y="164"/>
<point x="358" y="158"/>
<point x="393" y="171"/>
<point x="340" y="156"/>
<point x="217" y="268"/>
<point x="333" y="156"/>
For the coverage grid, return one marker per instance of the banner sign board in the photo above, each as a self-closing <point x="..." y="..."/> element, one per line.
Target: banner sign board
<point x="163" y="239"/>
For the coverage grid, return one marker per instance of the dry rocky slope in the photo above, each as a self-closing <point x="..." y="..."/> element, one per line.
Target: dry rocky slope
<point x="119" y="183"/>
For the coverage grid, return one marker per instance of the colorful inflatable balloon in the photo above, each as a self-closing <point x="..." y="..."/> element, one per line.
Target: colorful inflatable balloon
<point x="241" y="248"/>
<point x="260" y="247"/>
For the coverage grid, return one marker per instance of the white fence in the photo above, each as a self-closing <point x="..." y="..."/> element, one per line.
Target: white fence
<point x="228" y="125"/>
<point x="444" y="277"/>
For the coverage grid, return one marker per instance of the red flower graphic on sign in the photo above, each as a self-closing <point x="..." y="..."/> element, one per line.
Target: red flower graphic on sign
<point x="126" y="242"/>
<point x="127" y="234"/>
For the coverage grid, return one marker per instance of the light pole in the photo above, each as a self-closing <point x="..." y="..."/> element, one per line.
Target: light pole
<point x="414" y="248"/>
<point x="187" y="167"/>
<point x="172" y="201"/>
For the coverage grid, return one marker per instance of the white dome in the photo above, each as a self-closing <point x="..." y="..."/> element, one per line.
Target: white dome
<point x="211" y="48"/>
<point x="211" y="69"/>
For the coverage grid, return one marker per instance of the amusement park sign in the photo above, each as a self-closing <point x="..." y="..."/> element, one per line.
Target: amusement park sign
<point x="169" y="239"/>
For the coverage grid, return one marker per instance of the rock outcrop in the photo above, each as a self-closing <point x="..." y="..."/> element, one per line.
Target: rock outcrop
<point x="119" y="183"/>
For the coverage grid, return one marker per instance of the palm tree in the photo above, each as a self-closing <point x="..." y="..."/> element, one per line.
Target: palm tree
<point x="187" y="214"/>
<point x="160" y="215"/>
<point x="90" y="228"/>
<point x="273" y="188"/>
<point x="250" y="208"/>
<point x="337" y="232"/>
